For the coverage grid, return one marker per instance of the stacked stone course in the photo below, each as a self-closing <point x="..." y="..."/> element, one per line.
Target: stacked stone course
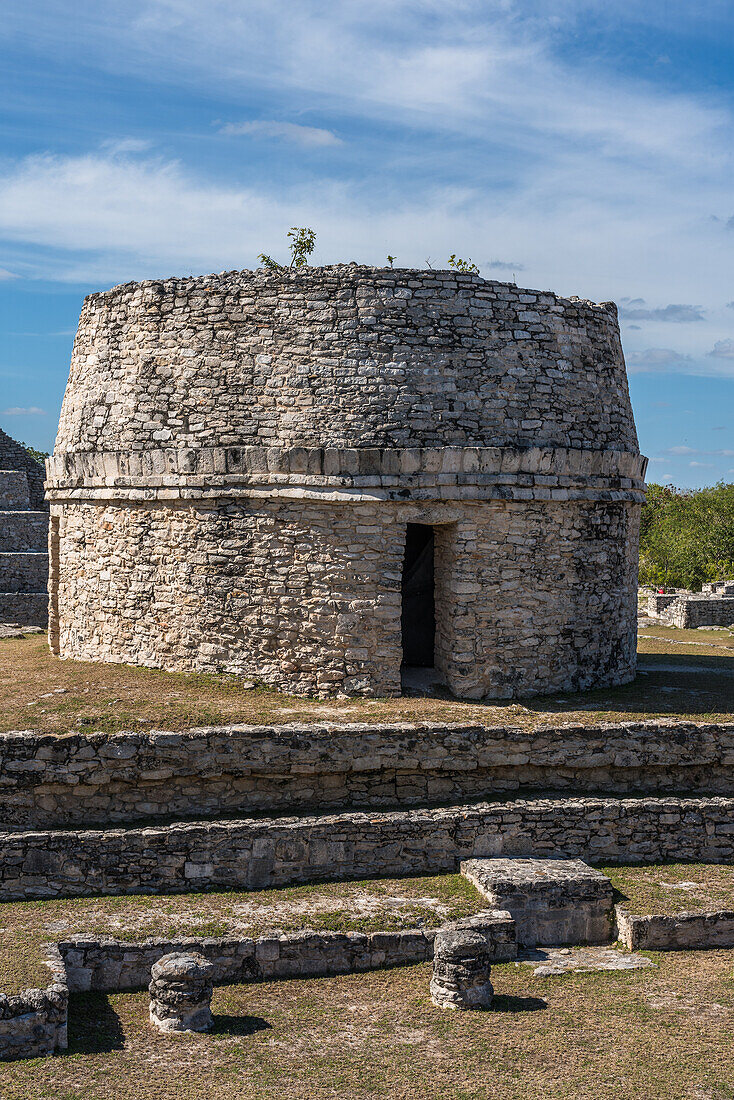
<point x="23" y="537"/>
<point x="86" y="779"/>
<point x="239" y="456"/>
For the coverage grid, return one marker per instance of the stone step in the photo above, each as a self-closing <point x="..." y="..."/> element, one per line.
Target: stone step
<point x="14" y="490"/>
<point x="23" y="571"/>
<point x="23" y="530"/>
<point x="24" y="608"/>
<point x="552" y="901"/>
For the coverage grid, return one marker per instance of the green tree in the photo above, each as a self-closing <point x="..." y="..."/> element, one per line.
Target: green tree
<point x="687" y="536"/>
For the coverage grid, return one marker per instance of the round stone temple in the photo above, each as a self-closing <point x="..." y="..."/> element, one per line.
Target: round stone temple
<point x="321" y="478"/>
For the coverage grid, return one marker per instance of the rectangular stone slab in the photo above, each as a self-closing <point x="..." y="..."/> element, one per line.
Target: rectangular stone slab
<point x="553" y="901"/>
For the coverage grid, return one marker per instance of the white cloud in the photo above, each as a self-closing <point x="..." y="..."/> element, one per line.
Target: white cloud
<point x="702" y="465"/>
<point x="682" y="450"/>
<point x="676" y="313"/>
<point x="723" y="349"/>
<point x="31" y="411"/>
<point x="310" y="137"/>
<point x="5" y="274"/>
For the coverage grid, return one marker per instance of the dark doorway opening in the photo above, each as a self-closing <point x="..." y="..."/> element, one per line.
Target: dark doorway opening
<point x="418" y="617"/>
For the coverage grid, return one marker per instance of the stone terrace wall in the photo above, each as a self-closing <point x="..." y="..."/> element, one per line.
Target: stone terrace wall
<point x="48" y="781"/>
<point x="344" y="356"/>
<point x="14" y="456"/>
<point x="235" y="855"/>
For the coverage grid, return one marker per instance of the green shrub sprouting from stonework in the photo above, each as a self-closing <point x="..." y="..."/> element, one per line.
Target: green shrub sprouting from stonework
<point x="466" y="266"/>
<point x="303" y="242"/>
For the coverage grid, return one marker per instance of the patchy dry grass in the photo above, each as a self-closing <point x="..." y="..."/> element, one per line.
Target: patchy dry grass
<point x="369" y="906"/>
<point x="670" y="888"/>
<point x="39" y="691"/>
<point x="666" y="1033"/>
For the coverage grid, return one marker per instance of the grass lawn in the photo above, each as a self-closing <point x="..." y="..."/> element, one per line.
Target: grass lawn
<point x="674" y="887"/>
<point x="39" y="691"/>
<point x="369" y="906"/>
<point x="664" y="1033"/>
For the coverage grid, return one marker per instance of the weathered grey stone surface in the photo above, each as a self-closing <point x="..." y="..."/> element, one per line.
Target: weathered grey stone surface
<point x="461" y="969"/>
<point x="182" y="857"/>
<point x="181" y="993"/>
<point x="86" y="779"/>
<point x="583" y="960"/>
<point x="552" y="901"/>
<point x="681" y="931"/>
<point x="33" y="1022"/>
<point x="252" y="447"/>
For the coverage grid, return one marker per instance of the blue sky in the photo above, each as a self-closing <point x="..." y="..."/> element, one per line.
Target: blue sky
<point x="581" y="147"/>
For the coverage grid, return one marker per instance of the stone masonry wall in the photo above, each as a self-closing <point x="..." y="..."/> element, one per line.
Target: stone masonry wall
<point x="182" y="858"/>
<point x="108" y="965"/>
<point x="81" y="780"/>
<point x="306" y="596"/>
<point x="344" y="356"/>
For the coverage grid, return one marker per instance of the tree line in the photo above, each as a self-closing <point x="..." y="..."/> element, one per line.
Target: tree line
<point x="687" y="535"/>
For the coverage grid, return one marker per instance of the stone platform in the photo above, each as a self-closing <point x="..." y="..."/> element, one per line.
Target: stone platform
<point x="552" y="901"/>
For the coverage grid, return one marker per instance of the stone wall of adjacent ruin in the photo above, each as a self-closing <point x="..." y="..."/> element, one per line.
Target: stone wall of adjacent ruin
<point x="344" y="356"/>
<point x="81" y="780"/>
<point x="14" y="456"/>
<point x="304" y="596"/>
<point x="181" y="858"/>
<point x="33" y="1023"/>
<point x="690" y="612"/>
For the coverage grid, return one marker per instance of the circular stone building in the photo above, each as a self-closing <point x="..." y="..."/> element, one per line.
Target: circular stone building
<point x="315" y="477"/>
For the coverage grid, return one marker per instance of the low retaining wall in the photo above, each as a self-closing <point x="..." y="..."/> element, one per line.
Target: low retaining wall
<point x="182" y="858"/>
<point x="33" y="1023"/>
<point x="48" y="781"/>
<point x="683" y="931"/>
<point x="108" y="965"/>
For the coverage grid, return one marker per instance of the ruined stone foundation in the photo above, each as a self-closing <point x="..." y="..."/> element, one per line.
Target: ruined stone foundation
<point x="317" y="477"/>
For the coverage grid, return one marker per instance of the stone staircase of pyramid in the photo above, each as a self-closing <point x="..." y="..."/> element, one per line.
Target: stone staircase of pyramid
<point x="23" y="553"/>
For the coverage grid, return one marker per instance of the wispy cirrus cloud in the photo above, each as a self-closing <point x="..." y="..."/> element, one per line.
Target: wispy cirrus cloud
<point x="17" y="411"/>
<point x="309" y="137"/>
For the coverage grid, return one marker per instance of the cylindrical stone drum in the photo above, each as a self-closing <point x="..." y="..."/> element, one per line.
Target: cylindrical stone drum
<point x="181" y="993"/>
<point x="314" y="478"/>
<point x="461" y="969"/>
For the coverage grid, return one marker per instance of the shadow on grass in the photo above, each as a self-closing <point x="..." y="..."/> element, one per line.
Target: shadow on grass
<point x="238" y="1025"/>
<point x="94" y="1026"/>
<point x="504" y="1002"/>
